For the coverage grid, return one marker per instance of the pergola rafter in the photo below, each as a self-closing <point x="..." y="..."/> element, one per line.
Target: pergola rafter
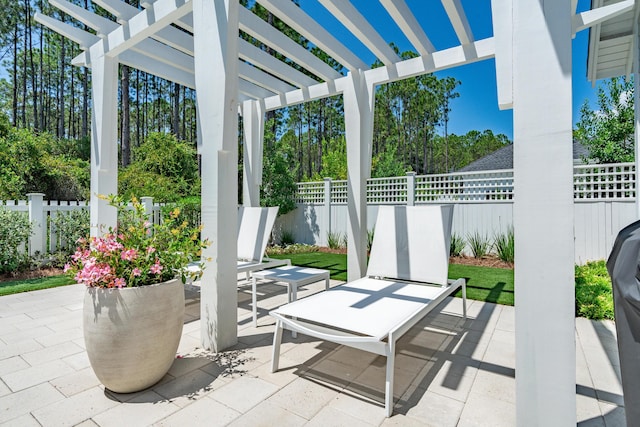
<point x="197" y="43"/>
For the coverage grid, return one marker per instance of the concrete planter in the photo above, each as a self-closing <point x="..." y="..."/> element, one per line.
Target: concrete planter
<point x="132" y="334"/>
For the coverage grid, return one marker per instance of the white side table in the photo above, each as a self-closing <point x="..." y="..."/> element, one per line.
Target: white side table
<point x="293" y="276"/>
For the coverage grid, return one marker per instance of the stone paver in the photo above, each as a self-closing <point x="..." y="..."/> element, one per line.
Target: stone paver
<point x="449" y="372"/>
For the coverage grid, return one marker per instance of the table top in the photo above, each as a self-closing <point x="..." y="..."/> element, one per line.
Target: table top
<point x="292" y="274"/>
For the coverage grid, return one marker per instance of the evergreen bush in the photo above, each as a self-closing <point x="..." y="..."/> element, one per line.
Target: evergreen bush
<point x="594" y="294"/>
<point x="15" y="230"/>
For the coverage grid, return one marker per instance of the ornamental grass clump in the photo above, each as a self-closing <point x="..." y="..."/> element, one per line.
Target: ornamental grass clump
<point x="137" y="252"/>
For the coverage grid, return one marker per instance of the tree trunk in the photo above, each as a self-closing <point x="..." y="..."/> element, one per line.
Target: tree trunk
<point x="15" y="76"/>
<point x="175" y="114"/>
<point x="125" y="139"/>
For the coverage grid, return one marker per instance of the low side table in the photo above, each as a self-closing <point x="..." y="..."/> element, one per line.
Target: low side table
<point x="293" y="276"/>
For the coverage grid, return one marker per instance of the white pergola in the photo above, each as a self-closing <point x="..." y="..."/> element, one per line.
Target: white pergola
<point x="196" y="43"/>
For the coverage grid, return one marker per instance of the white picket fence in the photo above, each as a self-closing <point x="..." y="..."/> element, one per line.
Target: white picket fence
<point x="604" y="198"/>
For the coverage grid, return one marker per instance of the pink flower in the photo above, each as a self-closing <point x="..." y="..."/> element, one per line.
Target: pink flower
<point x="136" y="272"/>
<point x="66" y="268"/>
<point x="120" y="282"/>
<point x="129" y="254"/>
<point x="156" y="268"/>
<point x="151" y="250"/>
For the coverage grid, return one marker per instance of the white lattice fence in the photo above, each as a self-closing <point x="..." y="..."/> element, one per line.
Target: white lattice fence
<point x="604" y="182"/>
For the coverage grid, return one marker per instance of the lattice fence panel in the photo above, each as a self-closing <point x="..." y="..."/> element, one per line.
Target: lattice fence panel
<point x="604" y="182"/>
<point x="310" y="192"/>
<point x="387" y="191"/>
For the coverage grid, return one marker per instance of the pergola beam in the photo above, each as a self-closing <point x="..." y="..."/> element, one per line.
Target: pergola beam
<point x="441" y="60"/>
<point x="406" y="21"/>
<point x="157" y="68"/>
<point x="267" y="34"/>
<point x="351" y="18"/>
<point x="146" y="24"/>
<point x="273" y="65"/>
<point x="459" y="21"/>
<point x="83" y="38"/>
<point x="102" y="26"/>
<point x="252" y="90"/>
<point x="297" y="19"/>
<point x="259" y="77"/>
<point x="592" y="17"/>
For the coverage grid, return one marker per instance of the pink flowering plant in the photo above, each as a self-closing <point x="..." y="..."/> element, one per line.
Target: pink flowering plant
<point x="137" y="252"/>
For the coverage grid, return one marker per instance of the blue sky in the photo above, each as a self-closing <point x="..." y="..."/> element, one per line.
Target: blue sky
<point x="477" y="106"/>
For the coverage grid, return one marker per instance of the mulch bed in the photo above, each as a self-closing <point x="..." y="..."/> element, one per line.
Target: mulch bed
<point x="31" y="274"/>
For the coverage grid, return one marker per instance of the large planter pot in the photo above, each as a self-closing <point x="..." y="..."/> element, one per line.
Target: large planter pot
<point x="132" y="334"/>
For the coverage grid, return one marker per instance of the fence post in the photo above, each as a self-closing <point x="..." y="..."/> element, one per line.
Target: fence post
<point x="327" y="211"/>
<point x="411" y="188"/>
<point x="147" y="202"/>
<point x="38" y="239"/>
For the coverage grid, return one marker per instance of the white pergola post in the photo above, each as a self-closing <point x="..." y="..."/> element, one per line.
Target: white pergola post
<point x="253" y="125"/>
<point x="215" y="25"/>
<point x="104" y="146"/>
<point x="359" y="99"/>
<point x="636" y="109"/>
<point x="543" y="214"/>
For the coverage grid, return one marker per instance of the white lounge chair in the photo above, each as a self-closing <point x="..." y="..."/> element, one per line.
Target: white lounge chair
<point x="406" y="279"/>
<point x="254" y="230"/>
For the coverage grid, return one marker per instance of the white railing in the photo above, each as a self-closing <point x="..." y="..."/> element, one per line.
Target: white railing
<point x="602" y="182"/>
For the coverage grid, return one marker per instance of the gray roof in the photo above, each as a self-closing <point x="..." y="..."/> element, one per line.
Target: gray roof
<point x="502" y="158"/>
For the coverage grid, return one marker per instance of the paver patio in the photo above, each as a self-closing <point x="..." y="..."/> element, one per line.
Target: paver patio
<point x="449" y="372"/>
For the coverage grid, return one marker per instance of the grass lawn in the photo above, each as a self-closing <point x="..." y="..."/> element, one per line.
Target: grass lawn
<point x="17" y="286"/>
<point x="483" y="283"/>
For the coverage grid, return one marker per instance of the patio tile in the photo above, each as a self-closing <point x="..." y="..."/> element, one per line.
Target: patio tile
<point x="452" y="386"/>
<point x="501" y="353"/>
<point x="12" y="364"/>
<point x="495" y="385"/>
<point x="7" y="351"/>
<point x="87" y="423"/>
<point x="358" y="407"/>
<point x="29" y="377"/>
<point x="244" y="393"/>
<point x="200" y="413"/>
<point x="23" y="421"/>
<point x="481" y="411"/>
<point x="22" y="402"/>
<point x="288" y="371"/>
<point x="303" y="397"/>
<point x="76" y="382"/>
<point x="146" y="409"/>
<point x="614" y="416"/>
<point x="186" y="388"/>
<point x="75" y="409"/>
<point x="4" y="390"/>
<point x="333" y="372"/>
<point x="399" y="420"/>
<point x="54" y="352"/>
<point x="268" y="414"/>
<point x="21" y="335"/>
<point x="60" y="337"/>
<point x="78" y="361"/>
<point x="332" y="417"/>
<point x="588" y="412"/>
<point x="187" y="363"/>
<point x="432" y="409"/>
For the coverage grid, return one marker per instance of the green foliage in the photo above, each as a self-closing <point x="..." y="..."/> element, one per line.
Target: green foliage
<point x="335" y="240"/>
<point x="294" y="248"/>
<point x="387" y="163"/>
<point x="594" y="294"/>
<point x="38" y="163"/>
<point x="70" y="227"/>
<point x="370" y="234"/>
<point x="457" y="245"/>
<point x="480" y="244"/>
<point x="189" y="210"/>
<point x="163" y="168"/>
<point x="278" y="179"/>
<point x="15" y="230"/>
<point x="504" y="244"/>
<point x="334" y="161"/>
<point x="287" y="237"/>
<point x="18" y="286"/>
<point x="609" y="131"/>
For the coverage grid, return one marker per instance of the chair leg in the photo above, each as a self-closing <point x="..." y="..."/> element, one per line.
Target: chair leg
<point x="464" y="298"/>
<point x="277" y="339"/>
<point x="254" y="301"/>
<point x="388" y="387"/>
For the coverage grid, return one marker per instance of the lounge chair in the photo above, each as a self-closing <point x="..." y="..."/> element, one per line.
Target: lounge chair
<point x="406" y="279"/>
<point x="254" y="230"/>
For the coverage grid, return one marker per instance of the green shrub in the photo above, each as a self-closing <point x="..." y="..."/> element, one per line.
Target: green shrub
<point x="334" y="240"/>
<point x="480" y="244"/>
<point x="189" y="210"/>
<point x="505" y="245"/>
<point x="295" y="248"/>
<point x="287" y="237"/>
<point x="370" y="234"/>
<point x="15" y="230"/>
<point x="457" y="245"/>
<point x="594" y="295"/>
<point x="70" y="227"/>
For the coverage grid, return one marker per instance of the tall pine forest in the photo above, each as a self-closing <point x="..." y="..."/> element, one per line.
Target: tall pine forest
<point x="45" y="129"/>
